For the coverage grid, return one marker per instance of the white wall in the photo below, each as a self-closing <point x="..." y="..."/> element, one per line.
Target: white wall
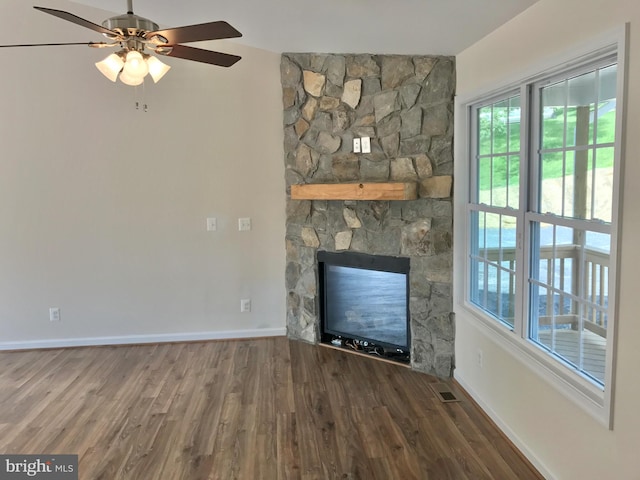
<point x="558" y="436"/>
<point x="103" y="207"/>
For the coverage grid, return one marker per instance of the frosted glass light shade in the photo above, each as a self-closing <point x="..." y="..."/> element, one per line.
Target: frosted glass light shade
<point x="110" y="66"/>
<point x="157" y="68"/>
<point x="131" y="80"/>
<point x="135" y="66"/>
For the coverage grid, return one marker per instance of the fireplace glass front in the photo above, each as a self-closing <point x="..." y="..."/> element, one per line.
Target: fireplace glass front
<point x="364" y="300"/>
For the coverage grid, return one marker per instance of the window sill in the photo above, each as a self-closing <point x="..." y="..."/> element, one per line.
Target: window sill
<point x="573" y="386"/>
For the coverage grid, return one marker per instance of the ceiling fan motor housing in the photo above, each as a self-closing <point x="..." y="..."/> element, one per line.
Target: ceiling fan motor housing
<point x="130" y="25"/>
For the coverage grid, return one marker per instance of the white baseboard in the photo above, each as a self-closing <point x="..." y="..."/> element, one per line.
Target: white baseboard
<point x="137" y="339"/>
<point x="520" y="445"/>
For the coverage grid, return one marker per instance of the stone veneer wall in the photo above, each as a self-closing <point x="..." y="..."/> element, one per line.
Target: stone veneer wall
<point x="405" y="104"/>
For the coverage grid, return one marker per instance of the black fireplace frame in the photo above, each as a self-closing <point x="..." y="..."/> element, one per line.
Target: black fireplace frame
<point x="368" y="262"/>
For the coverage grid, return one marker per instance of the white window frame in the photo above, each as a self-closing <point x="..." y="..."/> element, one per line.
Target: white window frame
<point x="473" y="191"/>
<point x="591" y="397"/>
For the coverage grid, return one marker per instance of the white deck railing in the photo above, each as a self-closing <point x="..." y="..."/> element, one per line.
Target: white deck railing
<point x="588" y="271"/>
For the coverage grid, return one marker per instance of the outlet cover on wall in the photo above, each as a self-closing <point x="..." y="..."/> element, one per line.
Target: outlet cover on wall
<point x="54" y="314"/>
<point x="245" y="305"/>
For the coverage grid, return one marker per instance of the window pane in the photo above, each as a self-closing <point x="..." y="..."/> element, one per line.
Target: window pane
<point x="606" y="114"/>
<point x="498" y="153"/>
<point x="508" y="296"/>
<point x="514" y="124"/>
<point x="552" y="187"/>
<point x="580" y="100"/>
<point x="569" y="295"/>
<point x="599" y="241"/>
<point x="492" y="232"/>
<point x="493" y="264"/>
<point x="552" y="119"/>
<point x="500" y="127"/>
<point x="607" y="122"/>
<point x="570" y="186"/>
<point x="581" y="182"/>
<point x="575" y="172"/>
<point x="575" y="184"/>
<point x="499" y="181"/>
<point x="485" y="171"/>
<point x="485" y="125"/>
<point x="600" y="185"/>
<point x="513" y="187"/>
<point x="478" y="288"/>
<point x="479" y="222"/>
<point x="596" y="278"/>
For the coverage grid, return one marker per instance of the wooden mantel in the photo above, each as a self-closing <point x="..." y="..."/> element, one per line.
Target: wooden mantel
<point x="355" y="191"/>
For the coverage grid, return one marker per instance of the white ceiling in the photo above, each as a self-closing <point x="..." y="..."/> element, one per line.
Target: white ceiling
<point x="443" y="27"/>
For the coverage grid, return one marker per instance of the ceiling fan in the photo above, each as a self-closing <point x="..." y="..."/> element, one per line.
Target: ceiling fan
<point x="135" y="34"/>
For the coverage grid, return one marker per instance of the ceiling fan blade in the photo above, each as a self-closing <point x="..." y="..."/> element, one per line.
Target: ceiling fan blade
<point x="70" y="17"/>
<point x="197" y="33"/>
<point x="90" y="44"/>
<point x="199" y="55"/>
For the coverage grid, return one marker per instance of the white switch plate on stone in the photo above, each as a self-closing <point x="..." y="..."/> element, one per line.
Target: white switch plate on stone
<point x="366" y="144"/>
<point x="356" y="145"/>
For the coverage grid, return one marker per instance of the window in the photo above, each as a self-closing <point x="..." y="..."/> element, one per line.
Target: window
<point x="542" y="217"/>
<point x="495" y="199"/>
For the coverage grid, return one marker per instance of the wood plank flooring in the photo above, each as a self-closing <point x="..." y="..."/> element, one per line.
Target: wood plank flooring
<point x="243" y="409"/>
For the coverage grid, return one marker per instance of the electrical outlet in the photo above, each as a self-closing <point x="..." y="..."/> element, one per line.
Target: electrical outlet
<point x="212" y="224"/>
<point x="245" y="305"/>
<point x="356" y="145"/>
<point x="366" y="144"/>
<point x="480" y="358"/>
<point x="244" y="224"/>
<point x="54" y="314"/>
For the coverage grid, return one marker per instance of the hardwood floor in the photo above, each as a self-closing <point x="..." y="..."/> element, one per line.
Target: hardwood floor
<point x="244" y="409"/>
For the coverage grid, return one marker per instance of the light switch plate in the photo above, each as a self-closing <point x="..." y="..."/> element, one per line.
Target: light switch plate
<point x="366" y="144"/>
<point x="212" y="224"/>
<point x="244" y="224"/>
<point x="356" y="145"/>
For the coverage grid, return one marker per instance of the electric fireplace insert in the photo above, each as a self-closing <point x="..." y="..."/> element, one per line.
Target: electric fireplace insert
<point x="364" y="303"/>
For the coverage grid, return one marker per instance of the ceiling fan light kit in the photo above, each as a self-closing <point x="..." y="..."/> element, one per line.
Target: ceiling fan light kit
<point x="111" y="66"/>
<point x="130" y="80"/>
<point x="133" y="34"/>
<point x="157" y="68"/>
<point x="132" y="66"/>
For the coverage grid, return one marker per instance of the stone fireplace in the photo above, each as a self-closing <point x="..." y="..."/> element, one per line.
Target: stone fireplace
<point x="405" y="105"/>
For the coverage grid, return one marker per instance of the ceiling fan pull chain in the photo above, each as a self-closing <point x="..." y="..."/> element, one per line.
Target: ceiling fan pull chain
<point x="144" y="97"/>
<point x="141" y="103"/>
<point x="145" y="107"/>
